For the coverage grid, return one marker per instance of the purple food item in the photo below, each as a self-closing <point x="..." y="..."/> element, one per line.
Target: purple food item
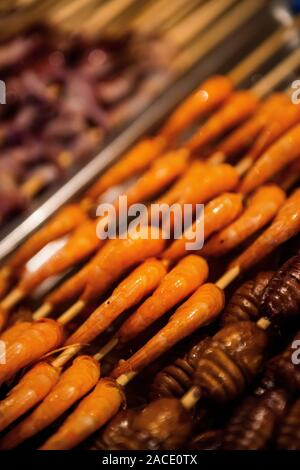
<point x="15" y="50"/>
<point x="64" y="93"/>
<point x="64" y="127"/>
<point x="80" y="98"/>
<point x="119" y="87"/>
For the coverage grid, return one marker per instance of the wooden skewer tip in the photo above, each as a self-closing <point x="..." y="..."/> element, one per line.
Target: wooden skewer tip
<point x="106" y="349"/>
<point x="66" y="355"/>
<point x="228" y="277"/>
<point x="124" y="379"/>
<point x="243" y="166"/>
<point x="12" y="298"/>
<point x="72" y="312"/>
<point x="42" y="312"/>
<point x="217" y="158"/>
<point x="263" y="323"/>
<point x="190" y="399"/>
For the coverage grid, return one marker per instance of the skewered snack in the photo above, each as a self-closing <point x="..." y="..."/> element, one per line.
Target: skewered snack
<point x="247" y="133"/>
<point x="261" y="209"/>
<point x="254" y="422"/>
<point x="37" y="340"/>
<point x="285" y="225"/>
<point x="133" y="287"/>
<point x="245" y="303"/>
<point x="115" y="258"/>
<point x="73" y="384"/>
<point x="236" y="110"/>
<point x="11" y="334"/>
<point x="176" y="379"/>
<point x="222" y="366"/>
<point x="32" y="388"/>
<point x="92" y="412"/>
<point x="82" y="243"/>
<point x="162" y="172"/>
<point x="177" y="285"/>
<point x="227" y="363"/>
<point x="215" y="179"/>
<point x="230" y="361"/>
<point x="64" y="222"/>
<point x="288" y="436"/>
<point x="201" y="308"/>
<point x="153" y="427"/>
<point x="141" y="282"/>
<point x="283" y="370"/>
<point x="218" y="213"/>
<point x="140" y="430"/>
<point x="281" y="299"/>
<point x="117" y="435"/>
<point x="280" y="124"/>
<point x="224" y="177"/>
<point x="207" y="97"/>
<point x="284" y="151"/>
<point x="132" y="163"/>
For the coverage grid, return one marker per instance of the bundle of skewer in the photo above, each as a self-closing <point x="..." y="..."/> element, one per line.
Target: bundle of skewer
<point x="115" y="84"/>
<point x="244" y="208"/>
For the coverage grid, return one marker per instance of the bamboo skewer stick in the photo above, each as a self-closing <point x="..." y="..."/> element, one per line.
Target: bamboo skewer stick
<point x="190" y="399"/>
<point x="279" y="73"/>
<point x="217" y="33"/>
<point x="71" y="351"/>
<point x="71" y="8"/>
<point x="124" y="379"/>
<point x="265" y="85"/>
<point x="155" y="14"/>
<point x="12" y="299"/>
<point x="263" y="52"/>
<point x="224" y="281"/>
<point x="106" y="349"/>
<point x="66" y="355"/>
<point x="194" y="394"/>
<point x="105" y="14"/>
<point x="42" y="312"/>
<point x="179" y="15"/>
<point x="261" y="89"/>
<point x="196" y="22"/>
<point x="72" y="312"/>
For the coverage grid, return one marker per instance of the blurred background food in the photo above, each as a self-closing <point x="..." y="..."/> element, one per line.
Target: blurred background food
<point x="78" y="73"/>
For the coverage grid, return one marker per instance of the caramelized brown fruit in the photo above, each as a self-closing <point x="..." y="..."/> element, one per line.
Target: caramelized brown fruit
<point x="253" y="424"/>
<point x="281" y="298"/>
<point x="289" y="433"/>
<point x="230" y="361"/>
<point x="245" y="303"/>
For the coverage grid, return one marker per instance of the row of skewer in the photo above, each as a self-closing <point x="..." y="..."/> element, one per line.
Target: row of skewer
<point x="243" y="203"/>
<point x="110" y="97"/>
